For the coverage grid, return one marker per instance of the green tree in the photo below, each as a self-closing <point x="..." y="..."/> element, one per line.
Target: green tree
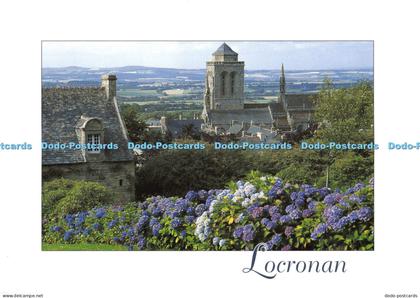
<point x="345" y="115"/>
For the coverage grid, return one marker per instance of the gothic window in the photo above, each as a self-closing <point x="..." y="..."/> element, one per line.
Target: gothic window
<point x="223" y="87"/>
<point x="232" y="82"/>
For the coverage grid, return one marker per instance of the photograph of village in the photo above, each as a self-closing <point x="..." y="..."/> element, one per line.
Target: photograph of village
<point x="217" y="145"/>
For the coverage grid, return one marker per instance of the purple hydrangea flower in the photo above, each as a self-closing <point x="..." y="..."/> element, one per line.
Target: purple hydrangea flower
<point x="286" y="247"/>
<point x="307" y="213"/>
<point x="341" y="223"/>
<point x="285" y="219"/>
<point x="365" y="213"/>
<point x="248" y="233"/>
<point x="276" y="239"/>
<point x="257" y="212"/>
<point x="319" y="230"/>
<point x="175" y="223"/>
<point x="288" y="231"/>
<point x="273" y="210"/>
<point x="295" y="214"/>
<point x="237" y="233"/>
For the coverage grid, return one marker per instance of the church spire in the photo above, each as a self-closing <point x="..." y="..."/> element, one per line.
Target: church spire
<point x="282" y="81"/>
<point x="282" y="95"/>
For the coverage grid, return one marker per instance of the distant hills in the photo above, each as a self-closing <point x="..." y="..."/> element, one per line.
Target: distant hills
<point x="141" y="73"/>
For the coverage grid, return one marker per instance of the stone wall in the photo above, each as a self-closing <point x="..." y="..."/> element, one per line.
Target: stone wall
<point x="119" y="177"/>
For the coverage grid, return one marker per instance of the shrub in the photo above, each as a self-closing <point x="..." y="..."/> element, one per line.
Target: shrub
<point x="260" y="209"/>
<point x="62" y="196"/>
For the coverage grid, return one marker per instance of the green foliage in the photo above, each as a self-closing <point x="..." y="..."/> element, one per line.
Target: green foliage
<point x="346" y="114"/>
<point x="348" y="169"/>
<point x="174" y="172"/>
<point x="137" y="128"/>
<point x="62" y="196"/>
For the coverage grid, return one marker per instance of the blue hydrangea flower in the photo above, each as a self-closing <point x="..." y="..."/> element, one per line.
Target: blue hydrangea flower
<point x="56" y="229"/>
<point x="364" y="213"/>
<point x="190" y="211"/>
<point x="285" y="219"/>
<point x="290" y="208"/>
<point x="112" y="223"/>
<point x="271" y="225"/>
<point x="330" y="199"/>
<point x="341" y="224"/>
<point x="353" y="216"/>
<point x="96" y="226"/>
<point x="295" y="214"/>
<point x="67" y="235"/>
<point x="100" y="212"/>
<point x="216" y="241"/>
<point x="153" y="221"/>
<point x="319" y="230"/>
<point x="300" y="202"/>
<point x="222" y="242"/>
<point x="276" y="239"/>
<point x="175" y="223"/>
<point x="141" y="243"/>
<point x="156" y="229"/>
<point x="200" y="209"/>
<point x="191" y="196"/>
<point x="264" y="221"/>
<point x="183" y="234"/>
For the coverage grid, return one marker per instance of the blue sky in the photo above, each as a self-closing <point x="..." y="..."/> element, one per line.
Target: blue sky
<point x="296" y="55"/>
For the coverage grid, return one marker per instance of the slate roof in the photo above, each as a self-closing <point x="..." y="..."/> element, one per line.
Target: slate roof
<point x="276" y="107"/>
<point x="175" y="126"/>
<point x="62" y="109"/>
<point x="225" y="50"/>
<point x="261" y="115"/>
<point x="235" y="129"/>
<point x="300" y="101"/>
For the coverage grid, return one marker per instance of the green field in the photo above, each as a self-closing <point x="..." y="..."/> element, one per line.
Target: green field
<point x="137" y="92"/>
<point x="82" y="247"/>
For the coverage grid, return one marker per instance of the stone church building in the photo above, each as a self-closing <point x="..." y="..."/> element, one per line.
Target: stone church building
<point x="225" y="109"/>
<point x="87" y="116"/>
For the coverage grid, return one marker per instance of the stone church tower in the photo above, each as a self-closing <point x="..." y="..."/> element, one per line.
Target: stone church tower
<point x="224" y="81"/>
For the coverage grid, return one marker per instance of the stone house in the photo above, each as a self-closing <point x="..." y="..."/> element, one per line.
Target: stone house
<point x="75" y="119"/>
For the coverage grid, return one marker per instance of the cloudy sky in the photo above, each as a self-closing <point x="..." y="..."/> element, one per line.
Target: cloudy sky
<point x="296" y="55"/>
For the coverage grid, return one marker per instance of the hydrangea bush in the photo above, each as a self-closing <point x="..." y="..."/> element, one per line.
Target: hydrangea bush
<point x="259" y="209"/>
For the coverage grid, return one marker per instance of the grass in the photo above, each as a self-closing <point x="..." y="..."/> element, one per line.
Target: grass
<point x="82" y="247"/>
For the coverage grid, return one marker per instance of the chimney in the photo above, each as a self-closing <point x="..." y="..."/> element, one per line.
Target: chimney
<point x="109" y="82"/>
<point x="163" y="122"/>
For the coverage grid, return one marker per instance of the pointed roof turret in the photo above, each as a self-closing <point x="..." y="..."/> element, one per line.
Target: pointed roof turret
<point x="225" y="53"/>
<point x="224" y="49"/>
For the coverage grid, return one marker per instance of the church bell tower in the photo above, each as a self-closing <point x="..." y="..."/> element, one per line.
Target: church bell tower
<point x="224" y="81"/>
